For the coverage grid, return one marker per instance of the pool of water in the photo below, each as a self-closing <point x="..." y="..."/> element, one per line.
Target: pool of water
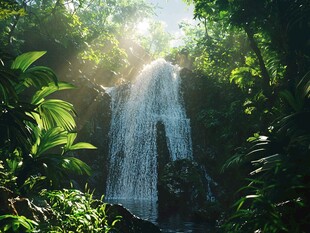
<point x="148" y="210"/>
<point x="178" y="224"/>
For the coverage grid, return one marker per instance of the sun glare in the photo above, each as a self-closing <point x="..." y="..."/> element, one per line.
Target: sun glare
<point x="143" y="27"/>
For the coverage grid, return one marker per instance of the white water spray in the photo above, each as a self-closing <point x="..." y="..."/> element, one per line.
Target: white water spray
<point x="154" y="97"/>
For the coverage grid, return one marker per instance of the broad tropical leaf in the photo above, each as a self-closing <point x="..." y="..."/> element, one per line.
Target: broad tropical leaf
<point x="38" y="77"/>
<point x="82" y="145"/>
<point x="55" y="112"/>
<point x="302" y="92"/>
<point x="39" y="129"/>
<point x="288" y="96"/>
<point x="49" y="139"/>
<point x="78" y="146"/>
<point x="23" y="61"/>
<point x="303" y="88"/>
<point x="49" y="89"/>
<point x="57" y="167"/>
<point x="75" y="165"/>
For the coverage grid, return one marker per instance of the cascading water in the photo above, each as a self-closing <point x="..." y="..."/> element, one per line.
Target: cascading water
<point x="154" y="97"/>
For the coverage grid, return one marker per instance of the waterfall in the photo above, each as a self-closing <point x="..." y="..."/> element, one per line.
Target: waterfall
<point x="153" y="97"/>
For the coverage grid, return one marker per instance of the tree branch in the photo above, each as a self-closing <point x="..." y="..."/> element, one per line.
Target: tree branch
<point x="12" y="29"/>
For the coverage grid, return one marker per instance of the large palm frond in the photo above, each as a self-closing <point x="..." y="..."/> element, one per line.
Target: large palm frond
<point x="37" y="76"/>
<point x="23" y="61"/>
<point x="40" y="127"/>
<point x="57" y="168"/>
<point x="45" y="91"/>
<point x="49" y="139"/>
<point x="78" y="146"/>
<point x="55" y="112"/>
<point x="50" y="158"/>
<point x="17" y="116"/>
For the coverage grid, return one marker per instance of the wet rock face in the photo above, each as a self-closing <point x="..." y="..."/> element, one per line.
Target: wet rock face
<point x="11" y="203"/>
<point x="162" y="147"/>
<point x="129" y="223"/>
<point x="185" y="189"/>
<point x="181" y="187"/>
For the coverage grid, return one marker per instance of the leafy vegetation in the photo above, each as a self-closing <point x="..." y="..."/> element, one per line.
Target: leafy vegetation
<point x="95" y="38"/>
<point x="38" y="131"/>
<point x="277" y="193"/>
<point x="35" y="150"/>
<point x="35" y="130"/>
<point x="75" y="211"/>
<point x="249" y="75"/>
<point x="13" y="223"/>
<point x="274" y="82"/>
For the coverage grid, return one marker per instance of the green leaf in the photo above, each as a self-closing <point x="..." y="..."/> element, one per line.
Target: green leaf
<point x="252" y="196"/>
<point x="51" y="88"/>
<point x="55" y="112"/>
<point x="71" y="137"/>
<point x="82" y="145"/>
<point x="76" y="165"/>
<point x="223" y="14"/>
<point x="49" y="139"/>
<point x="240" y="203"/>
<point x="23" y="61"/>
<point x="16" y="221"/>
<point x="7" y="89"/>
<point x="303" y="88"/>
<point x="289" y="98"/>
<point x="267" y="159"/>
<point x="39" y="76"/>
<point x="15" y="129"/>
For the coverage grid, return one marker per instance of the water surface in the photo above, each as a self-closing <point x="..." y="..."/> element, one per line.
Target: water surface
<point x="148" y="210"/>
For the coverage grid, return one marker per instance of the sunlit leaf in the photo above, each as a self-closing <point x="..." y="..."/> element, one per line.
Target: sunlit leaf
<point x="49" y="139"/>
<point x="75" y="165"/>
<point x="252" y="196"/>
<point x="82" y="145"/>
<point x="39" y="76"/>
<point x="23" y="61"/>
<point x="55" y="112"/>
<point x="51" y="88"/>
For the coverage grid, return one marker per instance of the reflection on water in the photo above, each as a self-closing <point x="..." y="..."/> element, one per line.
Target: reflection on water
<point x="148" y="210"/>
<point x="145" y="209"/>
<point x="178" y="224"/>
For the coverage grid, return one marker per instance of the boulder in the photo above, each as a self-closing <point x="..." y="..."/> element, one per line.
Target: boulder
<point x="129" y="223"/>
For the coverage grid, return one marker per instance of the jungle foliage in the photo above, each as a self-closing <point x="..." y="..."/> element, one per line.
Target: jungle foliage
<point x="248" y="97"/>
<point x="94" y="38"/>
<point x="263" y="48"/>
<point x="38" y="152"/>
<point x="37" y="141"/>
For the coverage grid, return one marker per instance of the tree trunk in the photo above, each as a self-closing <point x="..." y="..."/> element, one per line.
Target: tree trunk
<point x="266" y="78"/>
